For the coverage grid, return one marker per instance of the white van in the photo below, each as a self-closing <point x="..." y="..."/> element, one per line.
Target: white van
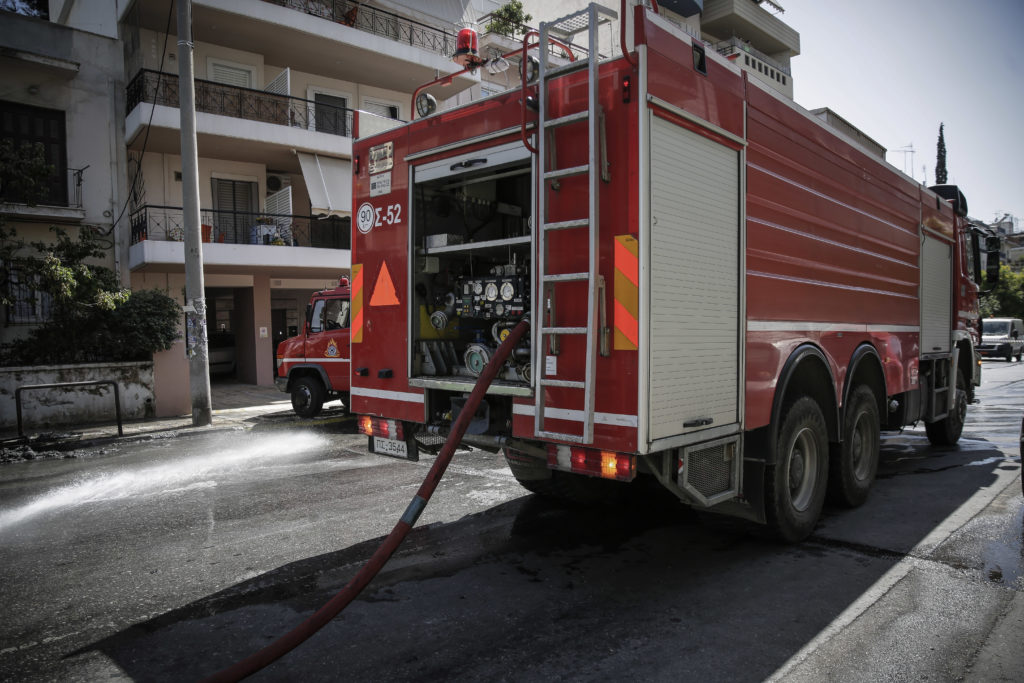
<point x="1002" y="338"/>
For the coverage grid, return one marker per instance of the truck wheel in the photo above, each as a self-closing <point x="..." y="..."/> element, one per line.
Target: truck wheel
<point x="853" y="468"/>
<point x="307" y="397"/>
<point x="946" y="432"/>
<point x="1009" y="355"/>
<point x="795" y="485"/>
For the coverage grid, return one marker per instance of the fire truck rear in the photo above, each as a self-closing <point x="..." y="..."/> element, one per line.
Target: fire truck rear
<point x="725" y="295"/>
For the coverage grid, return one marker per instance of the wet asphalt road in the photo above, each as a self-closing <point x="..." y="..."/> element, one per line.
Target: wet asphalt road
<point x="169" y="559"/>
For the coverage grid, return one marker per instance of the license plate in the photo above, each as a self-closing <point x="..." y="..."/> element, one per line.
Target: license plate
<point x="390" y="447"/>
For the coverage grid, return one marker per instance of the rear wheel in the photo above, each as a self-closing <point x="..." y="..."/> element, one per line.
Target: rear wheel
<point x="853" y="468"/>
<point x="795" y="484"/>
<point x="307" y="396"/>
<point x="1009" y="354"/>
<point x="946" y="432"/>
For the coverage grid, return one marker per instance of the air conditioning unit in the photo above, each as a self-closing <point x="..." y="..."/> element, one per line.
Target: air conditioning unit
<point x="277" y="181"/>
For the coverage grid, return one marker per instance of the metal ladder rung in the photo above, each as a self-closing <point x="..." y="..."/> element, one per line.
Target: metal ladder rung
<point x="569" y="118"/>
<point x="566" y="277"/>
<point x="563" y="172"/>
<point x="573" y="438"/>
<point x="563" y="330"/>
<point x="571" y="67"/>
<point x="569" y="384"/>
<point x="563" y="225"/>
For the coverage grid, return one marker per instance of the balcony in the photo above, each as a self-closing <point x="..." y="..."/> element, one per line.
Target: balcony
<point x="279" y="123"/>
<point x="748" y="20"/>
<point x="60" y="199"/>
<point x="378" y="22"/>
<point x="166" y="223"/>
<point x="317" y="37"/>
<point x="735" y="46"/>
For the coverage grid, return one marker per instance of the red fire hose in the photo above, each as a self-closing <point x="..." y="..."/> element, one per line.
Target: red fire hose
<point x="335" y="605"/>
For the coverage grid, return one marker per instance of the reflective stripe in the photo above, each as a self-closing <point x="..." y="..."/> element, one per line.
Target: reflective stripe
<point x="799" y="326"/>
<point x="357" y="303"/>
<point x="390" y="395"/>
<point x="613" y="419"/>
<point x="314" y="360"/>
<point x="627" y="294"/>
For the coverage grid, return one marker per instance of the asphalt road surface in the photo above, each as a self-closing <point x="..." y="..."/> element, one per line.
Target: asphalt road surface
<point x="170" y="559"/>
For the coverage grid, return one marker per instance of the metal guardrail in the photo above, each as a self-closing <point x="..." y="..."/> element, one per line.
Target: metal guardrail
<point x="166" y="223"/>
<point x="378" y="22"/>
<point x="737" y="46"/>
<point x="61" y="188"/>
<point x="98" y="382"/>
<point x="155" y="87"/>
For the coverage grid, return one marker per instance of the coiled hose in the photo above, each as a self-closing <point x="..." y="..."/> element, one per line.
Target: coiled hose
<point x="336" y="604"/>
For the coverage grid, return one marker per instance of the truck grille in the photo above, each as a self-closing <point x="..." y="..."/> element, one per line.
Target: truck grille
<point x="709" y="473"/>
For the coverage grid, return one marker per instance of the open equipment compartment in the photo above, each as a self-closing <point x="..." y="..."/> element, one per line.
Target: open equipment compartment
<point x="472" y="249"/>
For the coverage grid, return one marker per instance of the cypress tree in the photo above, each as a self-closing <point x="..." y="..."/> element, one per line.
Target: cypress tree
<point x="940" y="159"/>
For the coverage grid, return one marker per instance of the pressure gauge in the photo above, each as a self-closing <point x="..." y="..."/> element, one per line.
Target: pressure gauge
<point x="499" y="308"/>
<point x="508" y="290"/>
<point x="491" y="292"/>
<point x="478" y="288"/>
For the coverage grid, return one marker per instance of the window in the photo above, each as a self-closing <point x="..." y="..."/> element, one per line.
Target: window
<point x="331" y="114"/>
<point x="229" y="73"/>
<point x="25" y="125"/>
<point x="234" y="203"/>
<point x="381" y="108"/>
<point x="329" y="314"/>
<point x="29" y="306"/>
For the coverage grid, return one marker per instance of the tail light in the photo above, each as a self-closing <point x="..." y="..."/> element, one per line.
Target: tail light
<point x="604" y="464"/>
<point x="379" y="426"/>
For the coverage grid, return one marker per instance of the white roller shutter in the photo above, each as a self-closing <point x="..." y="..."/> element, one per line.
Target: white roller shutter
<point x="694" y="282"/>
<point x="936" y="296"/>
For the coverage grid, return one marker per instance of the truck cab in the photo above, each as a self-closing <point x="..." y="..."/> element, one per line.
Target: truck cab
<point x="314" y="366"/>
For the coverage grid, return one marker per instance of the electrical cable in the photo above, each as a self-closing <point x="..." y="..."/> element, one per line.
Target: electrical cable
<point x="355" y="586"/>
<point x="149" y="124"/>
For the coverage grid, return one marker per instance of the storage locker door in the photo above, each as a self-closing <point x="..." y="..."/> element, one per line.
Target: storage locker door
<point x="936" y="296"/>
<point x="694" y="282"/>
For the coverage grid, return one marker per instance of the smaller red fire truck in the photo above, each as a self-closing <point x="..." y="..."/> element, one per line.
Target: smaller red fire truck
<point x="314" y="366"/>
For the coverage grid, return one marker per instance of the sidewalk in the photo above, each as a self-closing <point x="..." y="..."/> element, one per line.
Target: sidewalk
<point x="235" y="406"/>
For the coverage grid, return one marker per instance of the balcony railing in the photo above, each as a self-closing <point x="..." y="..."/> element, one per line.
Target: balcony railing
<point x="155" y="87"/>
<point x="62" y="189"/>
<point x="166" y="223"/>
<point x="736" y="46"/>
<point x="378" y="22"/>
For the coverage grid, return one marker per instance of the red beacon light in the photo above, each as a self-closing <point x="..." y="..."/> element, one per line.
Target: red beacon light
<point x="466" y="54"/>
<point x="343" y="281"/>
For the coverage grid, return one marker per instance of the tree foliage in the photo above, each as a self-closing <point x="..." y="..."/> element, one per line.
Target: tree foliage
<point x="509" y="19"/>
<point x="940" y="158"/>
<point x="1006" y="298"/>
<point x="93" y="318"/>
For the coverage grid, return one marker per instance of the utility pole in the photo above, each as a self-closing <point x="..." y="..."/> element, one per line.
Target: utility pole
<point x="195" y="298"/>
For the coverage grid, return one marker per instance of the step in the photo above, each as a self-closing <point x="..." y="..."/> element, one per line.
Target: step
<point x="572" y="438"/>
<point x="564" y="172"/>
<point x="564" y="225"/>
<point x="563" y="330"/>
<point x="567" y="383"/>
<point x="566" y="277"/>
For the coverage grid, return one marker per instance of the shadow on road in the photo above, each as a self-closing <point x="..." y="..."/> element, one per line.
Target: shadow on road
<point x="537" y="590"/>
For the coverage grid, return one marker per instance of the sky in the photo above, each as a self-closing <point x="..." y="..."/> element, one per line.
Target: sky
<point x="896" y="69"/>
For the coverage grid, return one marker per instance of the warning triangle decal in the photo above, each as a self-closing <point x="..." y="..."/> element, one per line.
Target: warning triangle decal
<point x="384" y="291"/>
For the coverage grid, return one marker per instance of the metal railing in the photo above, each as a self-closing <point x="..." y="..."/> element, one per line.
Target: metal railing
<point x="61" y="189"/>
<point x="155" y="87"/>
<point x="166" y="223"/>
<point x="378" y="22"/>
<point x="579" y="51"/>
<point x="736" y="46"/>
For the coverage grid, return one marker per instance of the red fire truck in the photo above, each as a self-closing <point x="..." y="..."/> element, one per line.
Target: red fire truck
<point x="314" y="366"/>
<point x="725" y="295"/>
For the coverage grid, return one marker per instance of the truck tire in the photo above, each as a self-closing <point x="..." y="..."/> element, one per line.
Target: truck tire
<point x="795" y="485"/>
<point x="1009" y="354"/>
<point x="307" y="396"/>
<point x="947" y="431"/>
<point x="853" y="467"/>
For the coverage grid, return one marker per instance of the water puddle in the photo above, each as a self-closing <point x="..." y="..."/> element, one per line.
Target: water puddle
<point x="186" y="472"/>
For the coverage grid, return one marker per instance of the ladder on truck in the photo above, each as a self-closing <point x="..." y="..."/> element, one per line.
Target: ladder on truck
<point x="588" y="20"/>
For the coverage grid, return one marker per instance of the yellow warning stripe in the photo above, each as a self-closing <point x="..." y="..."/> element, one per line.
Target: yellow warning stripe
<point x="357" y="303"/>
<point x="627" y="294"/>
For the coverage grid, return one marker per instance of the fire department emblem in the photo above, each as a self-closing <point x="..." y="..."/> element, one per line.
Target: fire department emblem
<point x="332" y="349"/>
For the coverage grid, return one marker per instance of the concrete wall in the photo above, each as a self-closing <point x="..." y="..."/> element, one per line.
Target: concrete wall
<point x="44" y="408"/>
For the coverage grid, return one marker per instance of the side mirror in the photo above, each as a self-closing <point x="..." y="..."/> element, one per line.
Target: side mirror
<point x="992" y="245"/>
